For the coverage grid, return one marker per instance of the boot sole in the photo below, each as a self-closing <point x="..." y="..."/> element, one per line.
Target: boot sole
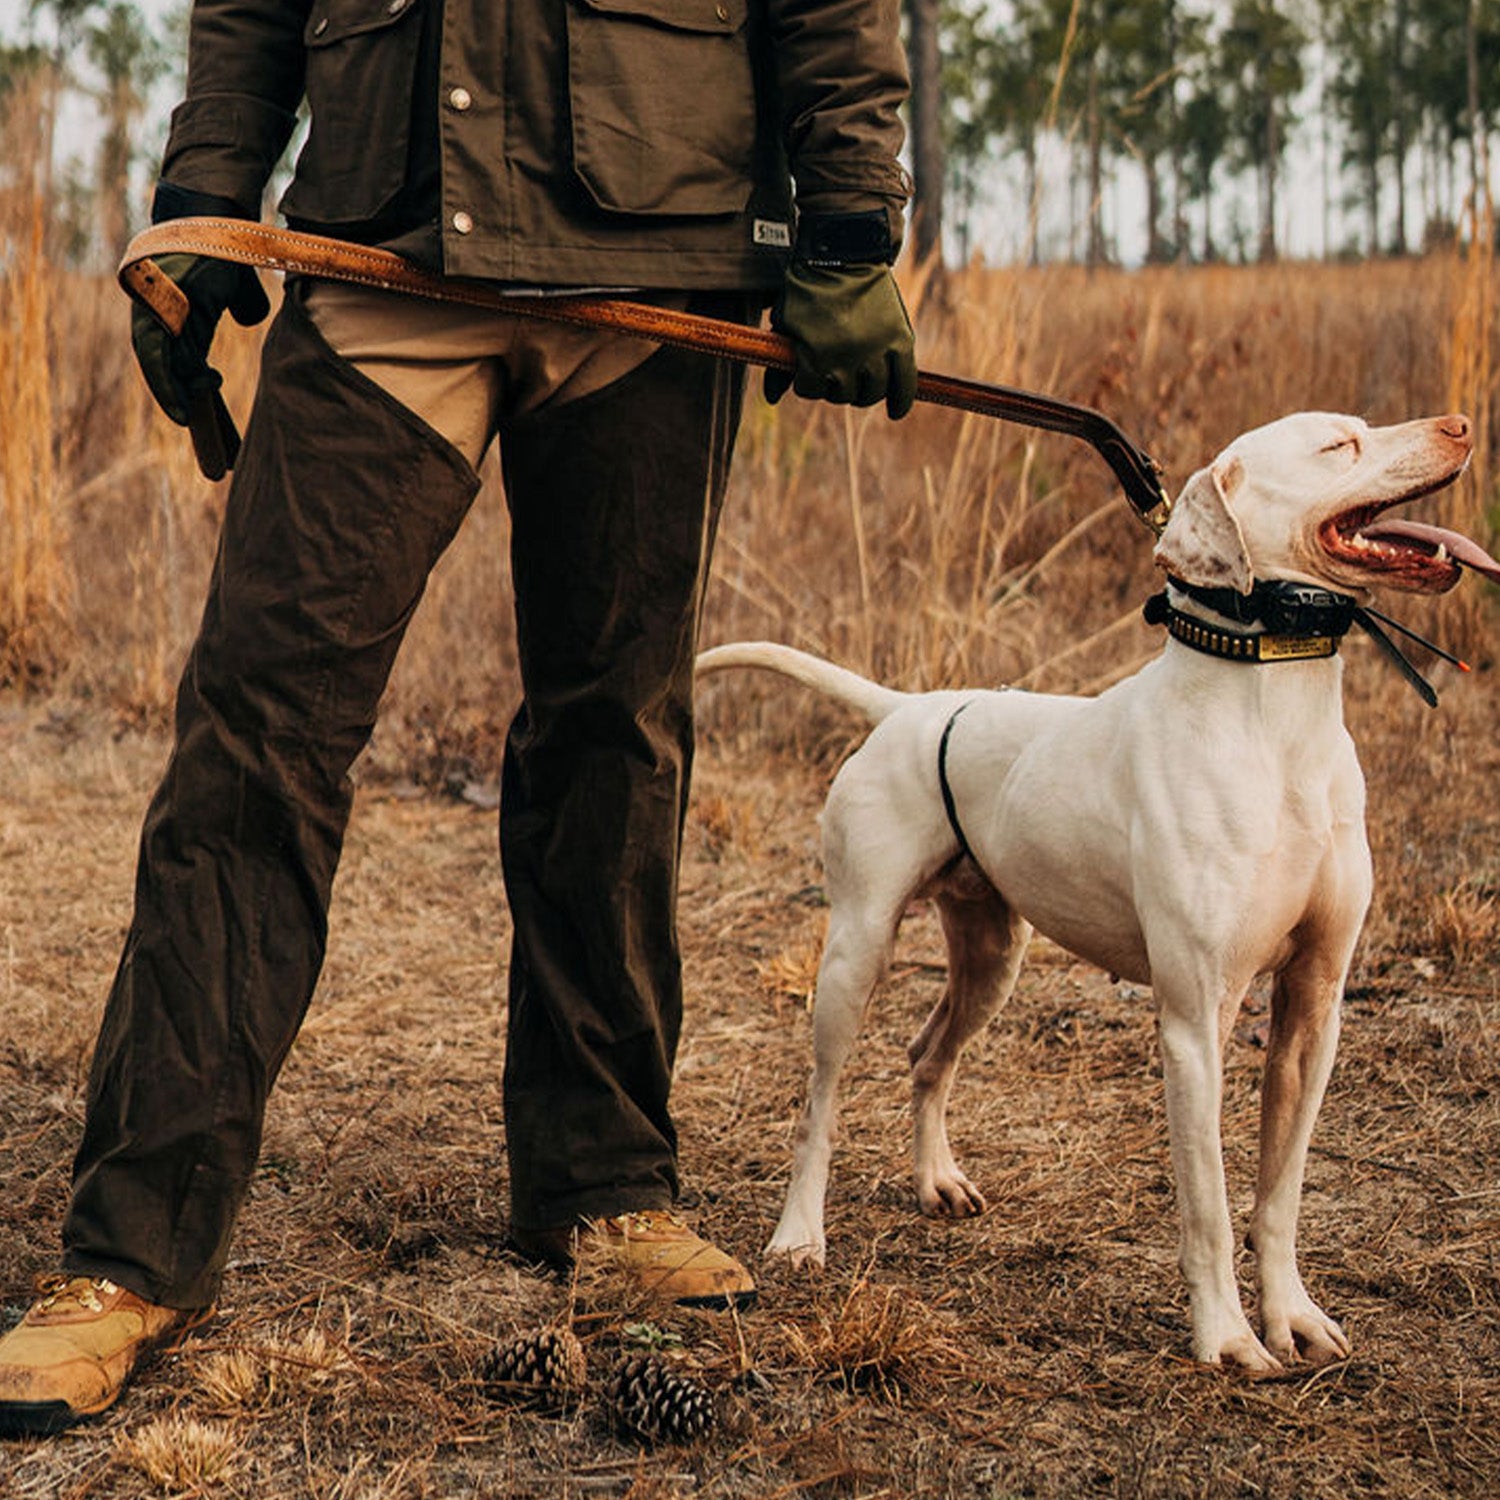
<point x="44" y="1418"/>
<point x="721" y="1302"/>
<point x="47" y="1418"/>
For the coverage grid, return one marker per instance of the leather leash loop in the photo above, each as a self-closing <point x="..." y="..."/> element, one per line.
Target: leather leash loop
<point x="295" y="253"/>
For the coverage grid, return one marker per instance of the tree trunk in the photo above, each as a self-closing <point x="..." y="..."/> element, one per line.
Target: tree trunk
<point x="1267" y="250"/>
<point x="121" y="108"/>
<point x="1157" y="249"/>
<point x="1095" y="128"/>
<point x="1033" y="201"/>
<point x="928" y="167"/>
<point x="1181" y="249"/>
<point x="1400" y="137"/>
<point x="1479" y="163"/>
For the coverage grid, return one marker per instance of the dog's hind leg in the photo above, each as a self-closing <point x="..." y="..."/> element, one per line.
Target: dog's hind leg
<point x="1299" y="1058"/>
<point x="881" y="844"/>
<point x="855" y="956"/>
<point x="986" y="945"/>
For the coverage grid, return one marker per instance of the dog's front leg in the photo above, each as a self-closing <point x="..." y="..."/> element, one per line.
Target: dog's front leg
<point x="1299" y="1059"/>
<point x="1194" y="1089"/>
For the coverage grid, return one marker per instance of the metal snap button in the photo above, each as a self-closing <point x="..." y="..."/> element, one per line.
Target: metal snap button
<point x="463" y="222"/>
<point x="321" y="27"/>
<point x="460" y="98"/>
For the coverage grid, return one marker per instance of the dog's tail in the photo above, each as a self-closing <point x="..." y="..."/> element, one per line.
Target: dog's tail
<point x="839" y="683"/>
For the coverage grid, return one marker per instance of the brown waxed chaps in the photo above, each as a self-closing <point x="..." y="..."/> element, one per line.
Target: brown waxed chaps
<point x="341" y="504"/>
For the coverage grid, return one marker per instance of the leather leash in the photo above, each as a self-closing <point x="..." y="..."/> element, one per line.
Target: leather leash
<point x="296" y="253"/>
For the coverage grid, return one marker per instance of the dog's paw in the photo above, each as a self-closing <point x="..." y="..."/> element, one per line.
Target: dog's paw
<point x="1308" y="1336"/>
<point x="1222" y="1335"/>
<point x="951" y="1196"/>
<point x="797" y="1249"/>
<point x="1246" y="1352"/>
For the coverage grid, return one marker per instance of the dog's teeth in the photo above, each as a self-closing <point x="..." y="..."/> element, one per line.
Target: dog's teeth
<point x="1441" y="555"/>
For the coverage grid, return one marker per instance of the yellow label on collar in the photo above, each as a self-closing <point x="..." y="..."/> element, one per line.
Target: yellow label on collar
<point x="1295" y="647"/>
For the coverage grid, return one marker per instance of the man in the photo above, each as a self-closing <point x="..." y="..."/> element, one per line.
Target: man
<point x="544" y="145"/>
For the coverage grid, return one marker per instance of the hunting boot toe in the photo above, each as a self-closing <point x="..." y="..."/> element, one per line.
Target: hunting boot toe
<point x="654" y="1251"/>
<point x="72" y="1353"/>
<point x="659" y="1253"/>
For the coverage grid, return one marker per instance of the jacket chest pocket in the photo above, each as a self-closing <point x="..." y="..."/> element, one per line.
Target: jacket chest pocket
<point x="361" y="73"/>
<point x="663" y="104"/>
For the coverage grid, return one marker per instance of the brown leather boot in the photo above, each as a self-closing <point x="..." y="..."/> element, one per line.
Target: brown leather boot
<point x="70" y="1356"/>
<point x="654" y="1249"/>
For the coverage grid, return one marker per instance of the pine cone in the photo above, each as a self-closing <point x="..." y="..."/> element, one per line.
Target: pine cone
<point x="653" y="1403"/>
<point x="544" y="1369"/>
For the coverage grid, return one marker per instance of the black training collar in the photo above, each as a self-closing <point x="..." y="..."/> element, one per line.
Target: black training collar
<point x="1283" y="607"/>
<point x="1300" y="622"/>
<point x="1232" y="645"/>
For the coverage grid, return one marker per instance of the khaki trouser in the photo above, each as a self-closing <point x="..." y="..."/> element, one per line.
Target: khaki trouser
<point x="356" y="471"/>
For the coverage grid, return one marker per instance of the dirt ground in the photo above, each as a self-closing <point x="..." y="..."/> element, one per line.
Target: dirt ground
<point x="1041" y="1350"/>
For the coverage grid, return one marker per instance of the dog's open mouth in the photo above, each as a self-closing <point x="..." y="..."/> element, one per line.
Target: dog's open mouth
<point x="1402" y="554"/>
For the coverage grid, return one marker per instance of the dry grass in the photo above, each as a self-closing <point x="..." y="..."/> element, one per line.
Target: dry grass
<point x="179" y="1455"/>
<point x="947" y="548"/>
<point x="1041" y="1350"/>
<point x="32" y="609"/>
<point x="882" y="1338"/>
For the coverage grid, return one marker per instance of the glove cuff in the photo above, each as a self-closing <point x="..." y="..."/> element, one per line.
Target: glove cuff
<point x="173" y="202"/>
<point x="852" y="239"/>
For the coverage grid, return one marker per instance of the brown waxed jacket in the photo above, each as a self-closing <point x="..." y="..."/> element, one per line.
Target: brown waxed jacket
<point x="581" y="142"/>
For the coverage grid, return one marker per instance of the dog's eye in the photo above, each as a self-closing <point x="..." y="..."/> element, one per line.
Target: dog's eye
<point x="1351" y="443"/>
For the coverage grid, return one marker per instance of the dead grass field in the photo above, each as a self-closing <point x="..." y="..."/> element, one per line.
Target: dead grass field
<point x="1039" y="1351"/>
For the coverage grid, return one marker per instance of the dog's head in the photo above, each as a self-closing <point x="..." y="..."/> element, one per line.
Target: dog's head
<point x="1305" y="498"/>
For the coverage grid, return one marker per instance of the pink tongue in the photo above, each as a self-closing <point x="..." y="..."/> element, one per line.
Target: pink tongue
<point x="1460" y="548"/>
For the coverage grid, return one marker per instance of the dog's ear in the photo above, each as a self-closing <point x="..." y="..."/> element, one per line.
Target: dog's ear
<point x="1202" y="542"/>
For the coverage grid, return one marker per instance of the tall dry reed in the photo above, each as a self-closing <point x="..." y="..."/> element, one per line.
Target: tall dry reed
<point x="940" y="549"/>
<point x="1472" y="376"/>
<point x="34" y="612"/>
<point x="974" y="551"/>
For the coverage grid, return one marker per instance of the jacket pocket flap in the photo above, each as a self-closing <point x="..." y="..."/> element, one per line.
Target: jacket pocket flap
<point x="721" y="16"/>
<point x="336" y="20"/>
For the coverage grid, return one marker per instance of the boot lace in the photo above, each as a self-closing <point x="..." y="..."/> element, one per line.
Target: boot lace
<point x="83" y="1291"/>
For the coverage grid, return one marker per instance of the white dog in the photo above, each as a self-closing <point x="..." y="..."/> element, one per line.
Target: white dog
<point x="1198" y="824"/>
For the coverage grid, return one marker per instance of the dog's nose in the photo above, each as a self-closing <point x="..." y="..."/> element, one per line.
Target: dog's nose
<point x="1455" y="426"/>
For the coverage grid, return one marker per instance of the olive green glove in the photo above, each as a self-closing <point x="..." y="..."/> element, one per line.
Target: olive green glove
<point x="176" y="365"/>
<point x="851" y="336"/>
